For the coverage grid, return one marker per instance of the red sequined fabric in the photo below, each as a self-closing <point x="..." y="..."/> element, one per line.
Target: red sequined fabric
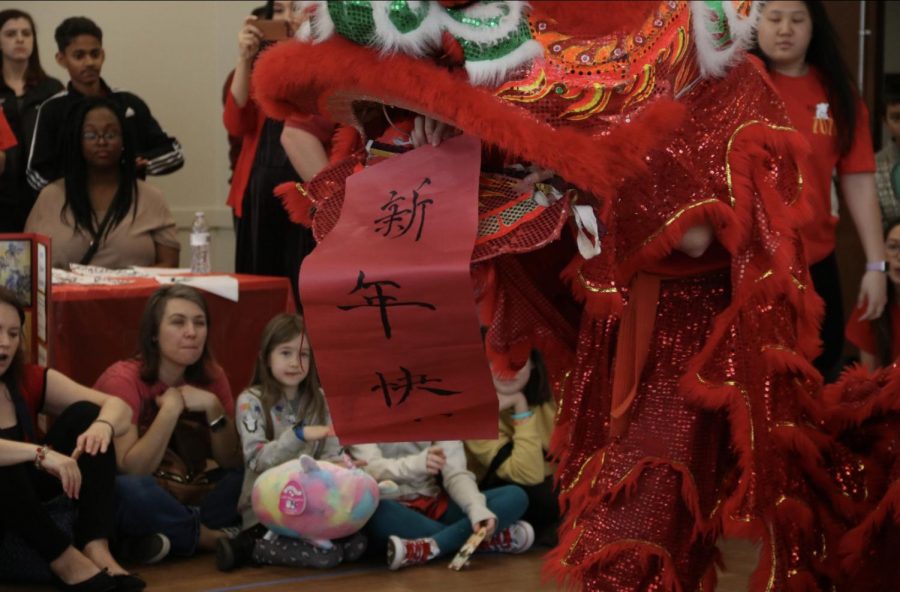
<point x="729" y="431"/>
<point x="725" y="399"/>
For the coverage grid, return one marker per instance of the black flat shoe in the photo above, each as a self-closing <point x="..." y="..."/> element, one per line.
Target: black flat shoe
<point x="129" y="583"/>
<point x="101" y="582"/>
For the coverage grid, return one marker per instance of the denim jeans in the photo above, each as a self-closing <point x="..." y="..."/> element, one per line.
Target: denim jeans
<point x="143" y="507"/>
<point x="451" y="531"/>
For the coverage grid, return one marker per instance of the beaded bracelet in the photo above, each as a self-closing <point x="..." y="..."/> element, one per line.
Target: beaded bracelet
<point x="39" y="456"/>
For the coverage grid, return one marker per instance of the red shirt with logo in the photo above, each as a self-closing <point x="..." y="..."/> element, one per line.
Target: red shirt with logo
<point x="807" y="105"/>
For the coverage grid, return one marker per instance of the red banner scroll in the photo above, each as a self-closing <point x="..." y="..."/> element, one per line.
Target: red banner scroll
<point x="388" y="301"/>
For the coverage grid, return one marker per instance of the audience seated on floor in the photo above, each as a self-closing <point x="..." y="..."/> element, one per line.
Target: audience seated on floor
<point x="181" y="400"/>
<point x="519" y="455"/>
<point x="76" y="459"/>
<point x="426" y="518"/>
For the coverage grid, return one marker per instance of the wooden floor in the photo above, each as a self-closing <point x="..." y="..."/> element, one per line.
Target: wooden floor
<point x="494" y="573"/>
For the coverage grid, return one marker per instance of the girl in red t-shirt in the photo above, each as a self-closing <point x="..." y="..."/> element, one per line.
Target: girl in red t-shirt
<point x="878" y="340"/>
<point x="798" y="44"/>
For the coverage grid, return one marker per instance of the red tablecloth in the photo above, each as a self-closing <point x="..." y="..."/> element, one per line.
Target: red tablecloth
<point x="94" y="326"/>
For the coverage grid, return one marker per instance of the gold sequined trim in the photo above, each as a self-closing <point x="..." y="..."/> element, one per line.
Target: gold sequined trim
<point x="676" y="216"/>
<point x="602" y="462"/>
<point x="584" y="465"/>
<point x="769" y="273"/>
<point x="608" y="289"/>
<point x="777" y="347"/>
<point x="739" y="129"/>
<point x="746" y="397"/>
<point x="745" y="394"/>
<point x="562" y="394"/>
<point x="771" y="584"/>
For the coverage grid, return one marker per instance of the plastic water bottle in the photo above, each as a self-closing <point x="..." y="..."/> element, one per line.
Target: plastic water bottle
<point x="200" y="244"/>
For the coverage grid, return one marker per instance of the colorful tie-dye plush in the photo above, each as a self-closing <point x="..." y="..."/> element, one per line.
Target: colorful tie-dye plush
<point x="314" y="500"/>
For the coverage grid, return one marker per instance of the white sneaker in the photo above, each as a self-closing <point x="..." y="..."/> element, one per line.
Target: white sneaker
<point x="517" y="538"/>
<point x="406" y="552"/>
<point x="146" y="550"/>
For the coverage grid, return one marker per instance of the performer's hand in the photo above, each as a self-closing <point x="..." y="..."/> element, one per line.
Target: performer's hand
<point x="527" y="183"/>
<point x="873" y="294"/>
<point x="249" y="39"/>
<point x="435" y="460"/>
<point x="696" y="240"/>
<point x="430" y="131"/>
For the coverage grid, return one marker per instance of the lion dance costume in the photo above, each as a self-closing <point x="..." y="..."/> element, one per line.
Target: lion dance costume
<point x="688" y="408"/>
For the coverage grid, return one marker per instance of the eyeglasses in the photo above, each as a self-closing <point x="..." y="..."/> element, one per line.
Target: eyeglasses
<point x="892" y="249"/>
<point x="94" y="136"/>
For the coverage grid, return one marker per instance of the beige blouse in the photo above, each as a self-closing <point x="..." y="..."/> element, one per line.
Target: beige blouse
<point x="132" y="242"/>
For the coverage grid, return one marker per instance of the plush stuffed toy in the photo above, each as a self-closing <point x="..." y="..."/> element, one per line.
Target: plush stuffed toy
<point x="317" y="501"/>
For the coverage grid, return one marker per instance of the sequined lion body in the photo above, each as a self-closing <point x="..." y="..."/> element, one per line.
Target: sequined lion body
<point x="688" y="408"/>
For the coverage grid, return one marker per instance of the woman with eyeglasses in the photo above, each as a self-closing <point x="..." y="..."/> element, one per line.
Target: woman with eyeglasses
<point x="878" y="340"/>
<point x="99" y="213"/>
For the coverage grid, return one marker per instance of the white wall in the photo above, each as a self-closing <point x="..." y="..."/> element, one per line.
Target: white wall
<point x="175" y="55"/>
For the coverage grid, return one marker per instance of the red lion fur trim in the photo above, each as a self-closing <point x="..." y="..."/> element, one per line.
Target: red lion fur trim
<point x="598" y="304"/>
<point x="571" y="576"/>
<point x="297" y="204"/>
<point x="344" y="143"/>
<point x="857" y="542"/>
<point x="290" y="78"/>
<point x="860" y="396"/>
<point x="689" y="496"/>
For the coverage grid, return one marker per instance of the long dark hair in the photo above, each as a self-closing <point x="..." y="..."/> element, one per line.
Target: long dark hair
<point x="824" y="53"/>
<point x="537" y="389"/>
<point x="884" y="332"/>
<point x="281" y="329"/>
<point x="13" y="375"/>
<point x="34" y="73"/>
<point x="148" y="335"/>
<point x="76" y="170"/>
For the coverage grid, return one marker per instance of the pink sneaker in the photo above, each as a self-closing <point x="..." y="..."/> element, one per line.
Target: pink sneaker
<point x="517" y="538"/>
<point x="406" y="552"/>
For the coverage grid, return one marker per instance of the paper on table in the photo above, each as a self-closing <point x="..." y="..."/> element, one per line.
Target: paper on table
<point x="155" y="271"/>
<point x="220" y="285"/>
<point x="61" y="276"/>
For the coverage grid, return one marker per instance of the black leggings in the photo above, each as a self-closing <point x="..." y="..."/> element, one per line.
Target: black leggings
<point x="543" y="503"/>
<point x="827" y="282"/>
<point x="23" y="488"/>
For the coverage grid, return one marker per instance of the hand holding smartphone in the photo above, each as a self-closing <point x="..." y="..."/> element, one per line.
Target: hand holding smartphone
<point x="273" y="30"/>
